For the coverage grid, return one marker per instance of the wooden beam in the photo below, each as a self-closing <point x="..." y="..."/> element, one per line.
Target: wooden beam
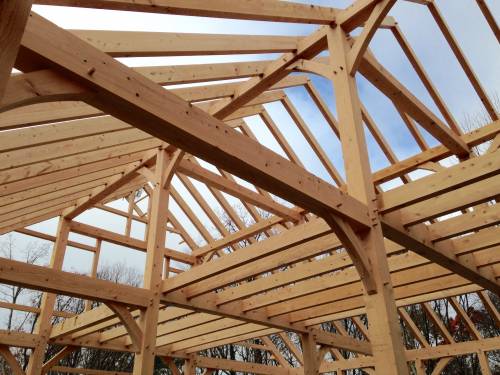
<point x="413" y="328"/>
<point x="355" y="14"/>
<point x="417" y="239"/>
<point x="484" y="362"/>
<point x="296" y="236"/>
<point x="456" y="349"/>
<point x="143" y="44"/>
<point x="28" y="88"/>
<point x="438" y="323"/>
<point x="356" y="250"/>
<point x="455" y="47"/>
<point x="48" y="237"/>
<point x="471" y="327"/>
<point x="144" y="362"/>
<point x="40" y="87"/>
<point x="444" y="204"/>
<point x="54" y="360"/>
<point x="394" y="90"/>
<point x="92" y="164"/>
<point x="475" y="220"/>
<point x="489" y="17"/>
<point x="377" y="15"/>
<point x="274" y="350"/>
<point x="307" y="48"/>
<point x="385" y="334"/>
<point x="246" y="367"/>
<point x="118" y="239"/>
<point x="292" y="347"/>
<point x="43" y="324"/>
<point x="449" y="179"/>
<point x="86" y="371"/>
<point x="238" y="236"/>
<point x="190" y="129"/>
<point x="342" y="342"/>
<point x="424" y="77"/>
<point x="472" y="139"/>
<point x="490" y="307"/>
<point x="12" y="362"/>
<point x="310" y="354"/>
<point x="257" y="10"/>
<point x="110" y="186"/>
<point x="280" y="138"/>
<point x="242" y="312"/>
<point x="53" y="281"/>
<point x="210" y="178"/>
<point x="18" y="339"/>
<point x="302" y="294"/>
<point x="14" y="15"/>
<point x="31" y="309"/>
<point x="128" y="321"/>
<point x="260" y="320"/>
<point x="311" y="139"/>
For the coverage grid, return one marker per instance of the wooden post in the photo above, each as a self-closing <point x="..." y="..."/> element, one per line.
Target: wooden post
<point x="93" y="271"/>
<point x="145" y="359"/>
<point x="43" y="325"/>
<point x="189" y="366"/>
<point x="310" y="355"/>
<point x="128" y="224"/>
<point x="13" y="17"/>
<point x="484" y="362"/>
<point x="420" y="367"/>
<point x="385" y="331"/>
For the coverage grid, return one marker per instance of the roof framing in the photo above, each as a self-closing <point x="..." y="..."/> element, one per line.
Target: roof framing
<point x="81" y="129"/>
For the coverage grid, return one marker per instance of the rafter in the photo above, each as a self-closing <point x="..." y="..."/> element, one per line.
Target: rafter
<point x="417" y="239"/>
<point x="110" y="186"/>
<point x="307" y="48"/>
<point x="357" y="51"/>
<point x="469" y="72"/>
<point x="203" y="175"/>
<point x="177" y="124"/>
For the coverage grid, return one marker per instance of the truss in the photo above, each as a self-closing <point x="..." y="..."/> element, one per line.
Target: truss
<point x="80" y="130"/>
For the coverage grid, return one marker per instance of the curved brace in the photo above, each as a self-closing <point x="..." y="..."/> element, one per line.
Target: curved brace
<point x="39" y="87"/>
<point x="314" y="67"/>
<point x="128" y="321"/>
<point x="354" y="246"/>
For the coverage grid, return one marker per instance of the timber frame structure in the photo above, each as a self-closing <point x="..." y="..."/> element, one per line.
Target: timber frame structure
<point x="78" y="129"/>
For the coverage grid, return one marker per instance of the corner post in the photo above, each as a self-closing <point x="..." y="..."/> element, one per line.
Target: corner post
<point x="145" y="358"/>
<point x="385" y="331"/>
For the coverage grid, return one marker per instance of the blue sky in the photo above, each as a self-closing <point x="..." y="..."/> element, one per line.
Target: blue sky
<point x="467" y="24"/>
